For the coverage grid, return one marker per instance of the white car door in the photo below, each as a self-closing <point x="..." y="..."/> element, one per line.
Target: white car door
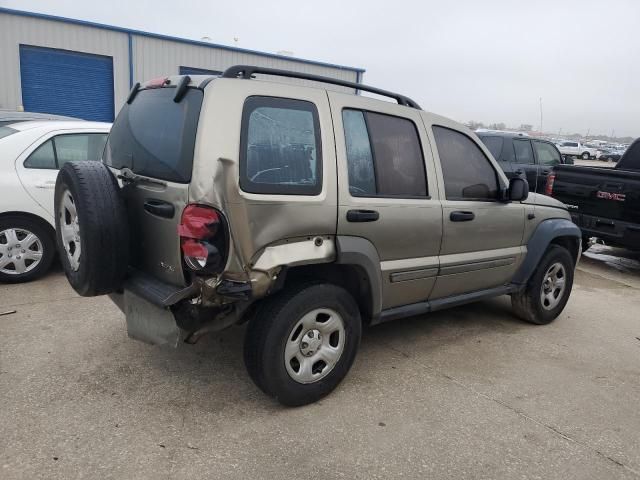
<point x="37" y="167"/>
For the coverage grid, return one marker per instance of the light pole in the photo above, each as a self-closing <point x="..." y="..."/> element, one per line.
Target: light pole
<point x="540" y="114"/>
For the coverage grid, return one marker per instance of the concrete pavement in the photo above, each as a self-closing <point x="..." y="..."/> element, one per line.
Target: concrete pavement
<point x="467" y="393"/>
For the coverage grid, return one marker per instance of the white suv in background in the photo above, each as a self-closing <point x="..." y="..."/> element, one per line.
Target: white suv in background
<point x="31" y="153"/>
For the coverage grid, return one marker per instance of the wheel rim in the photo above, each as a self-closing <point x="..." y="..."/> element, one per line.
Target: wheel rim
<point x="70" y="229"/>
<point x="585" y="156"/>
<point x="20" y="251"/>
<point x="553" y="286"/>
<point x="314" y="345"/>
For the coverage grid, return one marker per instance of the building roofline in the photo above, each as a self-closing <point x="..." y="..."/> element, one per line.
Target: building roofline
<point x="86" y="23"/>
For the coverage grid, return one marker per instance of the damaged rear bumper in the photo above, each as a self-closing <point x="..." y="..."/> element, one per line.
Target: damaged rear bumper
<point x="154" y="310"/>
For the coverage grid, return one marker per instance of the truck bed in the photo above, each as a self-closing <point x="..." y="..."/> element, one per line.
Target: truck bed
<point x="604" y="202"/>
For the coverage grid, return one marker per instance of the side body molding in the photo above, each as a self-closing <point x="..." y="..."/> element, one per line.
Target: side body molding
<point x="543" y="235"/>
<point x="360" y="252"/>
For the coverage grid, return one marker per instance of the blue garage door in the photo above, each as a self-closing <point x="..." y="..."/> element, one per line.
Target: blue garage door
<point x="198" y="71"/>
<point x="67" y="83"/>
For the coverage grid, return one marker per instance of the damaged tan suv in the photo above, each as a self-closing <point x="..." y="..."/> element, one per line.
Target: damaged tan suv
<point x="306" y="212"/>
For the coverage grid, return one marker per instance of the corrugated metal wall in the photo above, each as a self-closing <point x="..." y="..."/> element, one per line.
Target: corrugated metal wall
<point x="155" y="57"/>
<point x="151" y="56"/>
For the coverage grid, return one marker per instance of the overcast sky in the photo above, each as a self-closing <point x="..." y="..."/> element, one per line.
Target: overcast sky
<point x="483" y="60"/>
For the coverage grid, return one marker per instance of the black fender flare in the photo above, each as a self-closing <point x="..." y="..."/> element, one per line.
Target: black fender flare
<point x="544" y="234"/>
<point x="361" y="252"/>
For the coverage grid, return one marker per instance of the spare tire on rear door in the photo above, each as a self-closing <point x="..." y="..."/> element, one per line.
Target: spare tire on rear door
<point x="92" y="231"/>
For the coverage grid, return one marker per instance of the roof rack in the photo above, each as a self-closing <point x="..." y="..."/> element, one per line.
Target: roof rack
<point x="247" y="71"/>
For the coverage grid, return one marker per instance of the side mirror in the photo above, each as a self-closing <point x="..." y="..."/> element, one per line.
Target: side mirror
<point x="518" y="189"/>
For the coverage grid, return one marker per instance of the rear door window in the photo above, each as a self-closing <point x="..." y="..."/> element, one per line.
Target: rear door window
<point x="79" y="147"/>
<point x="523" y="151"/>
<point x="384" y="155"/>
<point x="155" y="136"/>
<point x="280" y="148"/>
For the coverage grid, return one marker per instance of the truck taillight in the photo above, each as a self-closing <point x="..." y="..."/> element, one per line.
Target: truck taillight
<point x="202" y="238"/>
<point x="551" y="178"/>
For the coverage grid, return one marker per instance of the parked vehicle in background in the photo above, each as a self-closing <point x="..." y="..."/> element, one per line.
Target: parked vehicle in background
<point x="610" y="155"/>
<point x="304" y="212"/>
<point x="577" y="149"/>
<point x="604" y="202"/>
<point x="10" y="116"/>
<point x="520" y="155"/>
<point x="30" y="154"/>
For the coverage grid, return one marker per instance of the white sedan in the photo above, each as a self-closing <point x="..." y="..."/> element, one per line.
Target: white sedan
<point x="30" y="155"/>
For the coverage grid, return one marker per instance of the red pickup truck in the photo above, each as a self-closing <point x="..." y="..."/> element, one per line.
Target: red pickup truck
<point x="604" y="202"/>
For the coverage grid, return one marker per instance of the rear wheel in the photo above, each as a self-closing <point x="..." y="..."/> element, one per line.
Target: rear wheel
<point x="302" y="342"/>
<point x="26" y="249"/>
<point x="91" y="228"/>
<point x="547" y="291"/>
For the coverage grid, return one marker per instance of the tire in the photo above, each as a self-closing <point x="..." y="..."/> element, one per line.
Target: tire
<point x="27" y="245"/>
<point x="585" y="156"/>
<point x="91" y="228"/>
<point x="276" y="325"/>
<point x="528" y="304"/>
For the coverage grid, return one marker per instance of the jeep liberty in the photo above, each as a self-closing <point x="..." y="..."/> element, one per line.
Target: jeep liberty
<point x="305" y="212"/>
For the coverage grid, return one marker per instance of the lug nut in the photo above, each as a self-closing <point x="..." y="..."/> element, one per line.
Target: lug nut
<point x="311" y="334"/>
<point x="304" y="344"/>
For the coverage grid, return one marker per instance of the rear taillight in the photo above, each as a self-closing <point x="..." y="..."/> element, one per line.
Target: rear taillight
<point x="202" y="239"/>
<point x="551" y="178"/>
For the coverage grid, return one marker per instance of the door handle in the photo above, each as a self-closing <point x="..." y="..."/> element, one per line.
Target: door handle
<point x="46" y="185"/>
<point x="362" y="216"/>
<point x="160" y="208"/>
<point x="460" y="216"/>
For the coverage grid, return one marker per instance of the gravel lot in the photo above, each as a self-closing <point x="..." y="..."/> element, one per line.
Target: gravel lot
<point x="465" y="393"/>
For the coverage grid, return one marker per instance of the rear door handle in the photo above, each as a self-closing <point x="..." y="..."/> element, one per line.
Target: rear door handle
<point x="160" y="208"/>
<point x="50" y="185"/>
<point x="460" y="216"/>
<point x="362" y="216"/>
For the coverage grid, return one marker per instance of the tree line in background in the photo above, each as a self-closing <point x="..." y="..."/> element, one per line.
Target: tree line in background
<point x="525" y="127"/>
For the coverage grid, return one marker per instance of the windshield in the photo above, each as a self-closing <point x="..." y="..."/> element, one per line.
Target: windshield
<point x="155" y="136"/>
<point x="6" y="131"/>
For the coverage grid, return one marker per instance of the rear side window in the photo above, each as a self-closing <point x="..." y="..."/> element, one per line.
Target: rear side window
<point x="155" y="136"/>
<point x="384" y="155"/>
<point x="69" y="147"/>
<point x="494" y="144"/>
<point x="468" y="174"/>
<point x="42" y="157"/>
<point x="280" y="148"/>
<point x="523" y="151"/>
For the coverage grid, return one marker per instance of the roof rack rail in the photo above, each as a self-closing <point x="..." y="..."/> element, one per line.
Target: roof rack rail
<point x="247" y="71"/>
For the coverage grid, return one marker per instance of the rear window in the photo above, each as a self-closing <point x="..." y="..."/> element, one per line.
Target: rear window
<point x="6" y="131"/>
<point x="155" y="136"/>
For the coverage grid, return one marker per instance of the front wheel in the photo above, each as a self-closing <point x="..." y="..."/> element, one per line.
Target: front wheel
<point x="301" y="343"/>
<point x="586" y="156"/>
<point x="547" y="291"/>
